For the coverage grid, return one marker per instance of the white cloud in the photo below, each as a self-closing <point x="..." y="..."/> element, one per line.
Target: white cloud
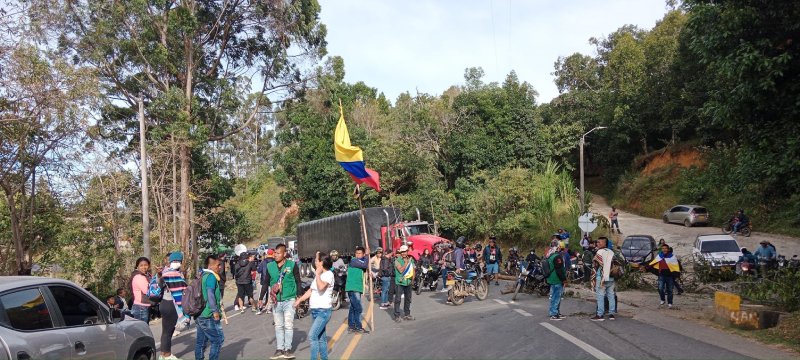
<point x="399" y="46"/>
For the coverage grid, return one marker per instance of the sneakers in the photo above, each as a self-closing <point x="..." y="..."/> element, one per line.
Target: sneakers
<point x="260" y="312"/>
<point x="611" y="317"/>
<point x="361" y="331"/>
<point x="176" y="333"/>
<point x="287" y="354"/>
<point x="555" y="318"/>
<point x="444" y="290"/>
<point x="384" y="307"/>
<point x="408" y="317"/>
<point x="255" y="310"/>
<point x="278" y="355"/>
<point x="236" y="307"/>
<point x="597" y="318"/>
<point x="170" y="357"/>
<point x="561" y="317"/>
<point x="661" y="303"/>
<point x="397" y="319"/>
<point x="669" y="306"/>
<point x="497" y="283"/>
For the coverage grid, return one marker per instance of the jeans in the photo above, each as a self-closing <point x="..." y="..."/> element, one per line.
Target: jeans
<point x="555" y="298"/>
<point x="385" y="283"/>
<point x="405" y="291"/>
<point x="208" y="330"/>
<point x="354" y="316"/>
<point x="615" y="222"/>
<point x="444" y="278"/>
<point x="283" y="315"/>
<point x="665" y="284"/>
<point x="141" y="313"/>
<point x="601" y="292"/>
<point x="319" y="341"/>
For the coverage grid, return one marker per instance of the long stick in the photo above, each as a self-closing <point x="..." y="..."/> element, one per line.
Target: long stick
<point x="366" y="247"/>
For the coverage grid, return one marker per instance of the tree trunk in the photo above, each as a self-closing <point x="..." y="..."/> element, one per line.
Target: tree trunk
<point x="185" y="159"/>
<point x="174" y="192"/>
<point x="143" y="171"/>
<point x="17" y="233"/>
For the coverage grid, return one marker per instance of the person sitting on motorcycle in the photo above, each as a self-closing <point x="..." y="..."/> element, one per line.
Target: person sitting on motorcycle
<point x="447" y="263"/>
<point x="470" y="253"/>
<point x="741" y="220"/>
<point x="532" y="257"/>
<point x="765" y="252"/>
<point x="513" y="257"/>
<point x="747" y="256"/>
<point x="425" y="259"/>
<point x="339" y="266"/>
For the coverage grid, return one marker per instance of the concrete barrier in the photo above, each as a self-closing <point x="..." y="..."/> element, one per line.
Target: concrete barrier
<point x="729" y="311"/>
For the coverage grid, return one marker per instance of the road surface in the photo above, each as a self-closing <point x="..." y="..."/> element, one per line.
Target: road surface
<point x="493" y="328"/>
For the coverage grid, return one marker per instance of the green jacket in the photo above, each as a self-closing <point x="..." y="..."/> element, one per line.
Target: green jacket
<point x="210" y="283"/>
<point x="288" y="283"/>
<point x="399" y="279"/>
<point x="557" y="273"/>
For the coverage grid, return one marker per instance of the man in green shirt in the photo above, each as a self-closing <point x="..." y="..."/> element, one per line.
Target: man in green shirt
<point x="355" y="287"/>
<point x="283" y="277"/>
<point x="403" y="274"/>
<point x="209" y="330"/>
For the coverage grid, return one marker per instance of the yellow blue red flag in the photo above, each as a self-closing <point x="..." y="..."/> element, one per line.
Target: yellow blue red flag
<point x="351" y="158"/>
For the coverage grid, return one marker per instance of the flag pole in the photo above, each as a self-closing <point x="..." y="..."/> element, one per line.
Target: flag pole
<point x="359" y="195"/>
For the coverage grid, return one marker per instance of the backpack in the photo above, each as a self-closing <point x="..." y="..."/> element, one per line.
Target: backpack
<point x="193" y="301"/>
<point x="546" y="269"/>
<point x="155" y="290"/>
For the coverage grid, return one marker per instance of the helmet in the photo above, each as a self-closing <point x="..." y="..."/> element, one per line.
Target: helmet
<point x="461" y="242"/>
<point x="334" y="253"/>
<point x="478" y="246"/>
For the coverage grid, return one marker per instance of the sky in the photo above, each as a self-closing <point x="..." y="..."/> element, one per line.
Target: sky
<point x="409" y="45"/>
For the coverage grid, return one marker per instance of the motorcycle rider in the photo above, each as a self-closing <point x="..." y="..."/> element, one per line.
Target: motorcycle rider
<point x="338" y="263"/>
<point x="458" y="259"/>
<point x="766" y="253"/>
<point x="447" y="263"/>
<point x="532" y="257"/>
<point x="425" y="259"/>
<point x="740" y="221"/>
<point x="493" y="257"/>
<point x="513" y="257"/>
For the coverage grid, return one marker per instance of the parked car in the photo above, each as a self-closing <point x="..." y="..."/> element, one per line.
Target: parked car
<point x="637" y="248"/>
<point x="45" y="318"/>
<point x="719" y="251"/>
<point x="688" y="215"/>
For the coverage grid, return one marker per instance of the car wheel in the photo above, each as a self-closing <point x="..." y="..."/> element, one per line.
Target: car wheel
<point x="687" y="223"/>
<point x="666" y="221"/>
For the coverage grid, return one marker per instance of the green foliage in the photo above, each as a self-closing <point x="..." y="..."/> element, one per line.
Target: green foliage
<point x="779" y="289"/>
<point x="258" y="201"/>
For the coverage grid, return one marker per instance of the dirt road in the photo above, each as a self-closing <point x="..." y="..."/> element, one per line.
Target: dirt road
<point x="682" y="238"/>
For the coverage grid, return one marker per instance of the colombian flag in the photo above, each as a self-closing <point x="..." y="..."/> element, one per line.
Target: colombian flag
<point x="351" y="158"/>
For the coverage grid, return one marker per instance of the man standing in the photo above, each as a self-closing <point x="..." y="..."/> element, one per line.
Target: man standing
<point x="556" y="280"/>
<point x="283" y="277"/>
<point x="403" y="273"/>
<point x="447" y="263"/>
<point x="209" y="329"/>
<point x="244" y="281"/>
<point x="613" y="216"/>
<point x="264" y="300"/>
<point x="602" y="282"/>
<point x="355" y="287"/>
<point x="385" y="274"/>
<point x="493" y="257"/>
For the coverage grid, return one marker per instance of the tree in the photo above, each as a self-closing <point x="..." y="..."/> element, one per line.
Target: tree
<point x="44" y="102"/>
<point x="206" y="69"/>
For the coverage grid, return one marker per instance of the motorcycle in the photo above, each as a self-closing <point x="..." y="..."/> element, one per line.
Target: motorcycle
<point x="512" y="267"/>
<point x="746" y="268"/>
<point x="793" y="263"/>
<point x="338" y="295"/>
<point x="531" y="279"/>
<point x="427" y="277"/>
<point x="577" y="269"/>
<point x="744" y="230"/>
<point x="303" y="309"/>
<point x="467" y="283"/>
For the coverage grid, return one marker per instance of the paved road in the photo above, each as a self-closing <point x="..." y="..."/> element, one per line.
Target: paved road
<point x="493" y="328"/>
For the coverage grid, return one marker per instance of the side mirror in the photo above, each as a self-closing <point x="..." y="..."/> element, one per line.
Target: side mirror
<point x="116" y="315"/>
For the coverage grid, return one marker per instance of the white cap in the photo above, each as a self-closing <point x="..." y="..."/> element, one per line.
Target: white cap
<point x="403" y="248"/>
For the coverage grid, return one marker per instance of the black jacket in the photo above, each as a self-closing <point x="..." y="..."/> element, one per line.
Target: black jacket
<point x="386" y="267"/>
<point x="243" y="270"/>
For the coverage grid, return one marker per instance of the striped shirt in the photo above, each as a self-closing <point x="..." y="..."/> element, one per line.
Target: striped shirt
<point x="175" y="283"/>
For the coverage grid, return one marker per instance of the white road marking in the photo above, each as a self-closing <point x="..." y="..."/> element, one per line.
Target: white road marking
<point x="501" y="302"/>
<point x="586" y="347"/>
<point x="523" y="312"/>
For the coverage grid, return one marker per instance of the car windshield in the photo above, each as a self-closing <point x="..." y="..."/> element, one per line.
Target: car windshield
<point x="637" y="244"/>
<point x="719" y="246"/>
<point x="700" y="210"/>
<point x="417" y="229"/>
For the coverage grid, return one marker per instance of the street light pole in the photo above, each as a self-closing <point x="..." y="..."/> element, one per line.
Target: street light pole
<point x="583" y="141"/>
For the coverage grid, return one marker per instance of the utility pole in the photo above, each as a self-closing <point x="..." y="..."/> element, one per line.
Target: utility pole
<point x="143" y="170"/>
<point x="583" y="141"/>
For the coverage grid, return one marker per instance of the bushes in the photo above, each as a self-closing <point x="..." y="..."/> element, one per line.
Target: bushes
<point x="780" y="289"/>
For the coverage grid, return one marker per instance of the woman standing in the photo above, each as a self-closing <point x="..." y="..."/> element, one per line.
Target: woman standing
<point x="174" y="284"/>
<point x="140" y="282"/>
<point x="320" y="305"/>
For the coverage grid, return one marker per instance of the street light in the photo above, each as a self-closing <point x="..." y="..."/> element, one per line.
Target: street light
<point x="583" y="141"/>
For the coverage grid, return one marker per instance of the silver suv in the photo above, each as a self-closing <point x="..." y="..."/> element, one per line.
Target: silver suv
<point x="44" y="318"/>
<point x="688" y="215"/>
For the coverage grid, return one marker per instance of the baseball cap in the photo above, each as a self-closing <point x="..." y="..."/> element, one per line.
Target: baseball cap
<point x="403" y="248"/>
